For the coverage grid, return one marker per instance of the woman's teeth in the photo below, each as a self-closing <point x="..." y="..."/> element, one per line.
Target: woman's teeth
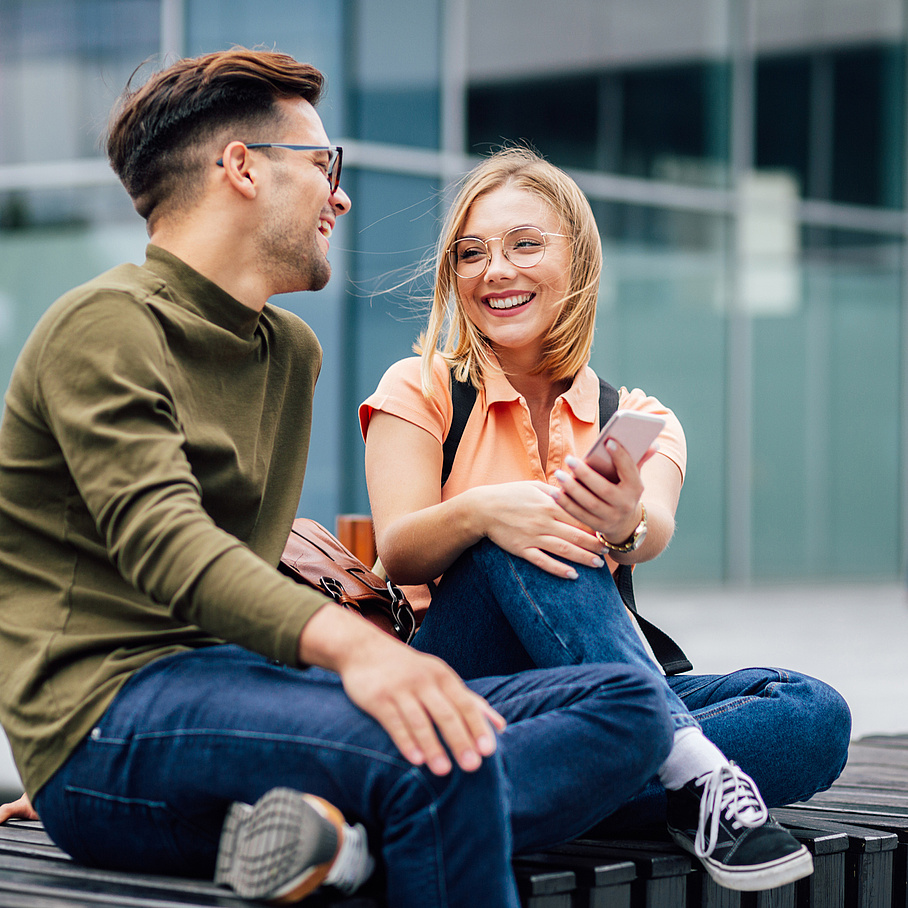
<point x="510" y="302"/>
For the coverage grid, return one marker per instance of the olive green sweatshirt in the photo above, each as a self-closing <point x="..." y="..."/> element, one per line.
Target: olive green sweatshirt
<point x="152" y="453"/>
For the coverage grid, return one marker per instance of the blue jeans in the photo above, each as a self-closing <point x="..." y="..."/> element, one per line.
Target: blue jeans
<point x="494" y="613"/>
<point x="188" y="734"/>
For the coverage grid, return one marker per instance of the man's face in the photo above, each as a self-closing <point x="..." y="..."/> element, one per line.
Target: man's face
<point x="293" y="242"/>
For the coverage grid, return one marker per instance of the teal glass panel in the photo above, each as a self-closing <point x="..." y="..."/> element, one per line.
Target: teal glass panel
<point x="826" y="425"/>
<point x="62" y="65"/>
<point x="661" y="326"/>
<point x="310" y="31"/>
<point x="394" y="69"/>
<point x="393" y="224"/>
<point x="41" y="261"/>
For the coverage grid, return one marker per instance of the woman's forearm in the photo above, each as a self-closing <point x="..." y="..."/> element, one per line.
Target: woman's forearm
<point x="420" y="546"/>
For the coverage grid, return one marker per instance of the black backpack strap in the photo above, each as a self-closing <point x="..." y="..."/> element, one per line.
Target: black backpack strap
<point x="608" y="402"/>
<point x="667" y="652"/>
<point x="463" y="396"/>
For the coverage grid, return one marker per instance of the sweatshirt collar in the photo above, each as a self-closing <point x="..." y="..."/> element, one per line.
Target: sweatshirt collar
<point x="195" y="292"/>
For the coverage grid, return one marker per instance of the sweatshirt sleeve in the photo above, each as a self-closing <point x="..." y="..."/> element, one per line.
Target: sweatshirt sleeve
<point x="103" y="387"/>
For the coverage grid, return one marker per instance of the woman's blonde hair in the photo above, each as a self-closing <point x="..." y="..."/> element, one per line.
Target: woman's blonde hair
<point x="567" y="346"/>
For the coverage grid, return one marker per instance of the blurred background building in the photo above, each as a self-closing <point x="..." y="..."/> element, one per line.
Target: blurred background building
<point x="746" y="160"/>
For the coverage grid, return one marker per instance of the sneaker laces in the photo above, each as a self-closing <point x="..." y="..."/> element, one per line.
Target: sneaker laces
<point x="353" y="864"/>
<point x="730" y="791"/>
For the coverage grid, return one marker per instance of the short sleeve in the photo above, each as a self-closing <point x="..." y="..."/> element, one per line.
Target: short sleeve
<point x="671" y="440"/>
<point x="400" y="393"/>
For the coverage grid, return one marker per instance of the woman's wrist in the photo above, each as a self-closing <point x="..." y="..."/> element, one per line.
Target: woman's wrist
<point x="632" y="541"/>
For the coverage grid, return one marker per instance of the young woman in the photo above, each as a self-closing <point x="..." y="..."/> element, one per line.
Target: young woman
<point x="520" y="542"/>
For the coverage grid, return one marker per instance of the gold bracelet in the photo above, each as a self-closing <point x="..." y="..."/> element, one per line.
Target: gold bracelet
<point x="634" y="541"/>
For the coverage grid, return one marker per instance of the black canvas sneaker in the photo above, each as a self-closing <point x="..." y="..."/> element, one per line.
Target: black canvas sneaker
<point x="286" y="845"/>
<point x="721" y="818"/>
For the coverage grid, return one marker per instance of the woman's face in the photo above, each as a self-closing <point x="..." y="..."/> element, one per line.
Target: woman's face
<point x="515" y="306"/>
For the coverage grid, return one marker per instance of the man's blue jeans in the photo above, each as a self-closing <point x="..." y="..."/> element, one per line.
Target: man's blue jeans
<point x="494" y="614"/>
<point x="188" y="734"/>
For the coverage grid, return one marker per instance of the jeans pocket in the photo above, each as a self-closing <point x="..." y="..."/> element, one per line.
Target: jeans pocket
<point x="125" y="834"/>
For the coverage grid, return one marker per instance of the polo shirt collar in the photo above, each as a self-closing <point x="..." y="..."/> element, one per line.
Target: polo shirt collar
<point x="582" y="396"/>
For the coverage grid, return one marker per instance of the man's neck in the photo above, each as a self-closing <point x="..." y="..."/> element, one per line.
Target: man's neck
<point x="219" y="259"/>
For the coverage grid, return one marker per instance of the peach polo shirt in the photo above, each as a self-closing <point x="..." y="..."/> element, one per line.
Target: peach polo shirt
<point x="499" y="442"/>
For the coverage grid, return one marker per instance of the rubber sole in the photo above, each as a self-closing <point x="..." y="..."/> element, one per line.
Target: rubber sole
<point x="279" y="849"/>
<point x="755" y="877"/>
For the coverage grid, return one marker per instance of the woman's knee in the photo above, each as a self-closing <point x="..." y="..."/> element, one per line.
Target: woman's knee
<point x="828" y="728"/>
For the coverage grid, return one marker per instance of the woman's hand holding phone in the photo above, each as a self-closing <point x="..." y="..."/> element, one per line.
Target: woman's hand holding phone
<point x="604" y="490"/>
<point x="634" y="431"/>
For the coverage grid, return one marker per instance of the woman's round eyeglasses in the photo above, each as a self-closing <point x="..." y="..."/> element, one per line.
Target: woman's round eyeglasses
<point x="523" y="247"/>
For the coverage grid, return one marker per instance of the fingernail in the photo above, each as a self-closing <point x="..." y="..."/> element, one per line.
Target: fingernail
<point x="571" y="574"/>
<point x="598" y="562"/>
<point x="470" y="760"/>
<point x="612" y="445"/>
<point x="486" y="745"/>
<point x="561" y="475"/>
<point x="440" y="765"/>
<point x="571" y="461"/>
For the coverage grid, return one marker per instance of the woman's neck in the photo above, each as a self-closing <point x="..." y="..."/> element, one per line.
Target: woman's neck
<point x="540" y="393"/>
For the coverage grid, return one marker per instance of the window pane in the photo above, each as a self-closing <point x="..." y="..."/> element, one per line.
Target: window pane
<point x="827" y="416"/>
<point x="395" y="71"/>
<point x="40" y="259"/>
<point x="830" y="86"/>
<point x="393" y="224"/>
<point x="62" y="65"/>
<point x="309" y="30"/>
<point x="661" y="327"/>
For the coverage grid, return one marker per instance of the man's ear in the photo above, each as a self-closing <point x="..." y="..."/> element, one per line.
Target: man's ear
<point x="239" y="170"/>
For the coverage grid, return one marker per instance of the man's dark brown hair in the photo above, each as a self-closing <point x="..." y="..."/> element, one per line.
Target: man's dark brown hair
<point x="162" y="135"/>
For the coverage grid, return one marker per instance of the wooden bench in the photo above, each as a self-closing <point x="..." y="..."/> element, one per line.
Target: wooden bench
<point x="857" y="833"/>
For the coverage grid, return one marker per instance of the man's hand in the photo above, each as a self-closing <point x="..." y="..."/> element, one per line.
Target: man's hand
<point x="18" y="810"/>
<point x="415" y="697"/>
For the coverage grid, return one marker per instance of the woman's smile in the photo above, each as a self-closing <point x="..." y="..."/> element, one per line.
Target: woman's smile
<point x="509" y="302"/>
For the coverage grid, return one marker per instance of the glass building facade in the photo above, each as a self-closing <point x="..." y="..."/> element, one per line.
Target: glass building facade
<point x="746" y="161"/>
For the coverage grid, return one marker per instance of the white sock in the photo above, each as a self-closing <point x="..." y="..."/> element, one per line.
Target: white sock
<point x="692" y="755"/>
<point x="353" y="864"/>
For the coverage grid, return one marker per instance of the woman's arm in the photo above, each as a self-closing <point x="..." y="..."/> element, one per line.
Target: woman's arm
<point x="418" y="536"/>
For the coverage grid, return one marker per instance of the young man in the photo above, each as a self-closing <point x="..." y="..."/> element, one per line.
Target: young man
<point x="174" y="704"/>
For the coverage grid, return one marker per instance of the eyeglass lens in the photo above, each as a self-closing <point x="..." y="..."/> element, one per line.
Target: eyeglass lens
<point x="521" y="246"/>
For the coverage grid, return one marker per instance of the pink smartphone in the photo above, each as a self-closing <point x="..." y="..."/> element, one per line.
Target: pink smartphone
<point x="633" y="431"/>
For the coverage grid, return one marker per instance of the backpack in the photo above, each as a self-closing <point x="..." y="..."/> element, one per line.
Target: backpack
<point x="463" y="397"/>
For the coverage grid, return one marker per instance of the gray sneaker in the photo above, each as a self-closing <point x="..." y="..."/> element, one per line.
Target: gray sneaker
<point x="745" y="848"/>
<point x="286" y="845"/>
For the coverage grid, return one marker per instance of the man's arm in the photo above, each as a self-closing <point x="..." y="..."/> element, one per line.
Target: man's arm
<point x="113" y="409"/>
<point x="18" y="810"/>
<point x="413" y="696"/>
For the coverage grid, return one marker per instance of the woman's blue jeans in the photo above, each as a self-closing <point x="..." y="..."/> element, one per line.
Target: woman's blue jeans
<point x="187" y="735"/>
<point x="494" y="614"/>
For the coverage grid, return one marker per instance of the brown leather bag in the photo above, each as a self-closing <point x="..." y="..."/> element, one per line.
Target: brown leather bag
<point x="314" y="557"/>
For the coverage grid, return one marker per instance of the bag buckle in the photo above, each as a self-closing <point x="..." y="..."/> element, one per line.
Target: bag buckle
<point x="397" y="597"/>
<point x="332" y="587"/>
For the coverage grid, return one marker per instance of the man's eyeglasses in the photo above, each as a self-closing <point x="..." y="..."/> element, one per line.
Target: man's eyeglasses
<point x="332" y="169"/>
<point x="521" y="246"/>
